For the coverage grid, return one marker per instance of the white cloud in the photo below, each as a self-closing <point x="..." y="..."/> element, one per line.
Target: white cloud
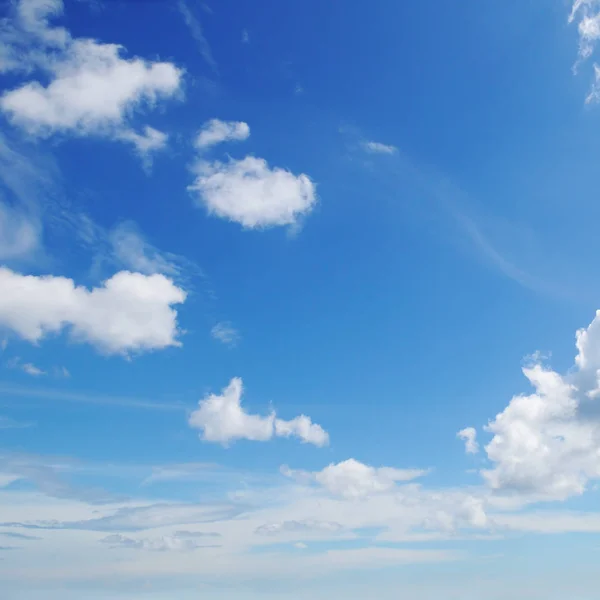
<point x="352" y="479"/>
<point x="546" y="445"/>
<point x="303" y="428"/>
<point x="306" y="525"/>
<point x="251" y="193"/>
<point x="222" y="419"/>
<point x="92" y="88"/>
<point x="469" y="436"/>
<point x="19" y="233"/>
<point x="131" y="250"/>
<point x="31" y="369"/>
<point x="379" y="148"/>
<point x="215" y="132"/>
<point x="181" y="541"/>
<point x="151" y="140"/>
<point x="225" y="333"/>
<point x="586" y="13"/>
<point x="197" y="32"/>
<point x="130" y="312"/>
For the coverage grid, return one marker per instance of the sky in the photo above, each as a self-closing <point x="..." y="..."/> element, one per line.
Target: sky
<point x="298" y="300"/>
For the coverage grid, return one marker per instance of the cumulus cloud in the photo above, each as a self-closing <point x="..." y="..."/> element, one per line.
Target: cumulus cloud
<point x="130" y="312"/>
<point x="469" y="436"/>
<point x="546" y="445"/>
<point x="225" y="333"/>
<point x="221" y="418"/>
<point x="352" y="479"/>
<point x="250" y="192"/>
<point x="91" y="89"/>
<point x="215" y="132"/>
<point x="379" y="148"/>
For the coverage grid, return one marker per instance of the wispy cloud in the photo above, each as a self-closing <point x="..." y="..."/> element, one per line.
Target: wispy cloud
<point x="378" y="148"/>
<point x="8" y="423"/>
<point x="197" y="32"/>
<point x="226" y="333"/>
<point x="8" y="390"/>
<point x="439" y="198"/>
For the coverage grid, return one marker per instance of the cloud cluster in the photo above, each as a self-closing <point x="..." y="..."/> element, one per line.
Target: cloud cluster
<point x="546" y="445"/>
<point x="221" y="418"/>
<point x="91" y="89"/>
<point x="248" y="191"/>
<point x="130" y="312"/>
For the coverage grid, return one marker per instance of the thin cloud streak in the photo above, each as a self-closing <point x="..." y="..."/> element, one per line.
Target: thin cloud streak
<point x="195" y="28"/>
<point x="83" y="398"/>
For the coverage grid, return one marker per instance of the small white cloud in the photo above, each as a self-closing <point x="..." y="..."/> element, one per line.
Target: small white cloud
<point x="253" y="194"/>
<point x="181" y="541"/>
<point x="469" y="436"/>
<point x="221" y="418"/>
<point x="352" y="479"/>
<point x="300" y="546"/>
<point x="216" y="132"/>
<point x="91" y="88"/>
<point x="151" y="140"/>
<point x="31" y="369"/>
<point x="378" y="148"/>
<point x="302" y="427"/>
<point x="130" y="312"/>
<point x="297" y="527"/>
<point x="245" y="37"/>
<point x="225" y="333"/>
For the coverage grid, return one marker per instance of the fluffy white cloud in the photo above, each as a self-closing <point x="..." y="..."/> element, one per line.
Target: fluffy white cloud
<point x="130" y="312"/>
<point x="251" y="193"/>
<point x="469" y="436"/>
<point x="215" y="131"/>
<point x="546" y="445"/>
<point x="92" y="88"/>
<point x="225" y="333"/>
<point x="221" y="418"/>
<point x="353" y="479"/>
<point x="379" y="148"/>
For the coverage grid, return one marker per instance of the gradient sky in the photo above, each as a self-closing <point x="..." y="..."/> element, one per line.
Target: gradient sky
<point x="297" y="300"/>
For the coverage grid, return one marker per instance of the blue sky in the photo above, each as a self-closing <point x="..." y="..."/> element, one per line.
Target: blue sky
<point x="298" y="299"/>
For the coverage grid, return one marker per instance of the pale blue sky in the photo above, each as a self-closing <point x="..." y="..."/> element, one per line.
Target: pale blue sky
<point x="289" y="294"/>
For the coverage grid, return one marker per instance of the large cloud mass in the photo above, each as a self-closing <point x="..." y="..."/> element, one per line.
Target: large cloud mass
<point x="130" y="312"/>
